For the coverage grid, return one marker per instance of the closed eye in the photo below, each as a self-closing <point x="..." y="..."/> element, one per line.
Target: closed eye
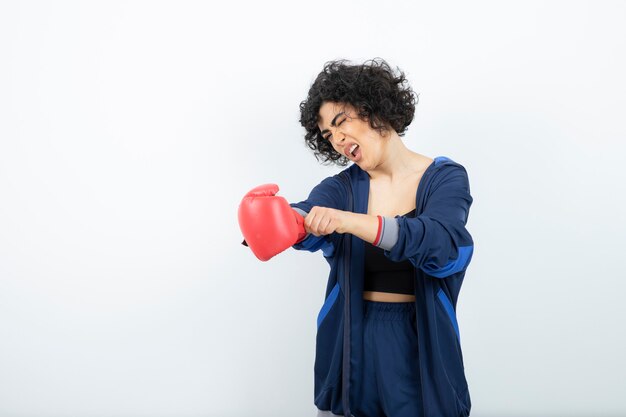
<point x="338" y="124"/>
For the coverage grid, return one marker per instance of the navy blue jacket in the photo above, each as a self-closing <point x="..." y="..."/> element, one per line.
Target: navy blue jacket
<point x="439" y="246"/>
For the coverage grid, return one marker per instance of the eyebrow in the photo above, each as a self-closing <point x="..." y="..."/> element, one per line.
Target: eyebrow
<point x="332" y="123"/>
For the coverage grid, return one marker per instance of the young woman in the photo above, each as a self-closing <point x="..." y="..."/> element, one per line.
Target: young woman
<point x="392" y="228"/>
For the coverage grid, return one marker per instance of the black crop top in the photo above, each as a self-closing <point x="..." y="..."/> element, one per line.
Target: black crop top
<point x="384" y="275"/>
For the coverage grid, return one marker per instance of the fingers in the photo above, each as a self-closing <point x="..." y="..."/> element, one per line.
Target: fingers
<point x="325" y="226"/>
<point x="320" y="221"/>
<point x="311" y="222"/>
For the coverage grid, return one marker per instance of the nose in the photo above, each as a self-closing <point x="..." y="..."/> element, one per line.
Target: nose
<point x="337" y="134"/>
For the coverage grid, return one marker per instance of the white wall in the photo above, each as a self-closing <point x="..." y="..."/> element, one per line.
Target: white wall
<point x="129" y="131"/>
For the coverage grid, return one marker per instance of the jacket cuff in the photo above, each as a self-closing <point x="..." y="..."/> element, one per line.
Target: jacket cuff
<point x="300" y="211"/>
<point x="388" y="232"/>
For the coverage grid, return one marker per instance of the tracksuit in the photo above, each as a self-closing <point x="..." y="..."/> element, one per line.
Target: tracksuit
<point x="376" y="359"/>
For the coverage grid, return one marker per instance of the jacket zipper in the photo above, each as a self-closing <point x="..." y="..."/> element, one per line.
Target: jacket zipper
<point x="346" y="323"/>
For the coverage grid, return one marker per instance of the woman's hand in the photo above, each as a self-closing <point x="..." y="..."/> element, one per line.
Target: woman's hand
<point x="325" y="220"/>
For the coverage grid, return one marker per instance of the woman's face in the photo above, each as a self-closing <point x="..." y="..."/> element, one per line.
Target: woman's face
<point x="340" y="125"/>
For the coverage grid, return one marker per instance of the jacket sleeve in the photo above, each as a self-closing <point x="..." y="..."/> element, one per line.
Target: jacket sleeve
<point x="437" y="240"/>
<point x="328" y="193"/>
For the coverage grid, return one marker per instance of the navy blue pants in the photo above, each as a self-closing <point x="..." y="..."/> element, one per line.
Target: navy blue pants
<point x="391" y="382"/>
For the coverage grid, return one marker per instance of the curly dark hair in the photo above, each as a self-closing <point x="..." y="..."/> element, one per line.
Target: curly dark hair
<point x="378" y="94"/>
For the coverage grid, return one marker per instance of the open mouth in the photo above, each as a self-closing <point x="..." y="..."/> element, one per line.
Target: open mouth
<point x="354" y="150"/>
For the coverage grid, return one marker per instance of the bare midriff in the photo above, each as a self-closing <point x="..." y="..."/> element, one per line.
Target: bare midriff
<point x="387" y="297"/>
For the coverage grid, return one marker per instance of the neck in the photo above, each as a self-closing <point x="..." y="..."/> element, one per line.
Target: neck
<point x="396" y="162"/>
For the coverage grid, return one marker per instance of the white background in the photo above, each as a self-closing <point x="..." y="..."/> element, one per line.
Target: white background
<point x="129" y="131"/>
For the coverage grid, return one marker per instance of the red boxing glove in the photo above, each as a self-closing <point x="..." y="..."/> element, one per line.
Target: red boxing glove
<point x="268" y="223"/>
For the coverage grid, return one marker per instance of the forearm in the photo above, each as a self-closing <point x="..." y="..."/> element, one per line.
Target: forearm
<point x="381" y="232"/>
<point x="364" y="226"/>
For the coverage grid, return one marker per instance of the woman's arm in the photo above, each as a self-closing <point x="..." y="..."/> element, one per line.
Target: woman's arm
<point x="364" y="226"/>
<point x="436" y="241"/>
